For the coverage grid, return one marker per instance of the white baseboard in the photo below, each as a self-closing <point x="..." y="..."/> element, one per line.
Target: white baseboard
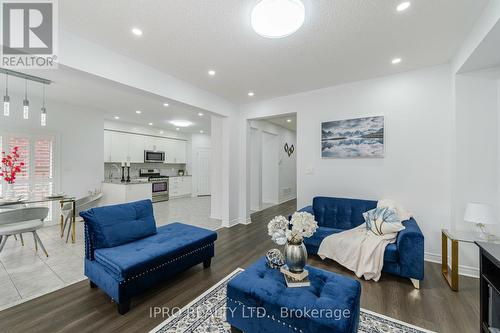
<point x="462" y="269"/>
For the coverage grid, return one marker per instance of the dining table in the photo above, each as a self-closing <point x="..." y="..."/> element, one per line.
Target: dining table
<point x="33" y="201"/>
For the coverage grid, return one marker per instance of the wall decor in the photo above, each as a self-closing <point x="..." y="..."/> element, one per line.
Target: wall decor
<point x="352" y="138"/>
<point x="289" y="149"/>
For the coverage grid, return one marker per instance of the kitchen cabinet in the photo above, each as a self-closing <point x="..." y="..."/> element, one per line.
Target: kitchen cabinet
<point x="176" y="152"/>
<point x="119" y="147"/>
<point x="128" y="147"/>
<point x="180" y="186"/>
<point x="136" y="148"/>
<point x="117" y="192"/>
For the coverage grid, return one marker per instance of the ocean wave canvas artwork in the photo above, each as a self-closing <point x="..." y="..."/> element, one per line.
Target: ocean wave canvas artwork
<point x="352" y="138"/>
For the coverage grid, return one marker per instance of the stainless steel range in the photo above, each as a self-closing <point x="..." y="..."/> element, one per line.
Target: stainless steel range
<point x="159" y="184"/>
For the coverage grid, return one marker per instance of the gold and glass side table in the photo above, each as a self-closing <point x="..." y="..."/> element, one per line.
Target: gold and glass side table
<point x="450" y="274"/>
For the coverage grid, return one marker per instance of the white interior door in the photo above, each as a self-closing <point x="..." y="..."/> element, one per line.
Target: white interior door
<point x="203" y="178"/>
<point x="270" y="168"/>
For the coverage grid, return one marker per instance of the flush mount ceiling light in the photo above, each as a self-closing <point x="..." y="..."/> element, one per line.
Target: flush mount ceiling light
<point x="137" y="31"/>
<point x="150" y="124"/>
<point x="166" y="105"/>
<point x="277" y="18"/>
<point x="138" y="111"/>
<point x="403" y="6"/>
<point x="181" y="123"/>
<point x="116" y="117"/>
<point x="211" y="72"/>
<point x="200" y="114"/>
<point x="396" y="61"/>
<point x="251" y="94"/>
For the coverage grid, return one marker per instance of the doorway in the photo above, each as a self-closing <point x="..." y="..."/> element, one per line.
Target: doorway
<point x="203" y="177"/>
<point x="272" y="160"/>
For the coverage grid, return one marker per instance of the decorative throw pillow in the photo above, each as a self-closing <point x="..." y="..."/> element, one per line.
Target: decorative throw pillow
<point x="400" y="210"/>
<point x="382" y="221"/>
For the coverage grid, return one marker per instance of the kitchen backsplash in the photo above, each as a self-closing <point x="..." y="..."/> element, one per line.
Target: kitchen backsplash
<point x="114" y="170"/>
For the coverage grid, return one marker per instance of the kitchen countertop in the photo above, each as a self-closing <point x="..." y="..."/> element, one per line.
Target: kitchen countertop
<point x="118" y="182"/>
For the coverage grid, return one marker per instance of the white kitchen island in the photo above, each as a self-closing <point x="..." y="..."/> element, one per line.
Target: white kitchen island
<point x="116" y="192"/>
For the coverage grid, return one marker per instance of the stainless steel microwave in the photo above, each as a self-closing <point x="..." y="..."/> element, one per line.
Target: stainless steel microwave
<point x="154" y="156"/>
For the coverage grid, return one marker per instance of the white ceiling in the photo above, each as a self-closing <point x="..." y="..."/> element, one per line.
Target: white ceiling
<point x="341" y="40"/>
<point x="84" y="90"/>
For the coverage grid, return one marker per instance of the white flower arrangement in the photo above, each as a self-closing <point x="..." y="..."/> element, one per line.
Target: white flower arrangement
<point x="302" y="225"/>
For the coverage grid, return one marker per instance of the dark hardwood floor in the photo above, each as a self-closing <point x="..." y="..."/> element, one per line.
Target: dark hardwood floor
<point x="77" y="308"/>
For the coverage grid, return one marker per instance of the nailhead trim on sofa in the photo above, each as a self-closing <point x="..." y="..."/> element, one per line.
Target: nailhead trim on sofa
<point x="165" y="263"/>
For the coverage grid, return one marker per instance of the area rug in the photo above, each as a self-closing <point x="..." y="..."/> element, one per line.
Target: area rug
<point x="206" y="314"/>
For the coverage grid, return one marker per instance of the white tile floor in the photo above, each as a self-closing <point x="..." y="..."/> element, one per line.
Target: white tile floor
<point x="26" y="274"/>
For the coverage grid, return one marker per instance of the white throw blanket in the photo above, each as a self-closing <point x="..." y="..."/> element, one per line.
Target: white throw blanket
<point x="359" y="250"/>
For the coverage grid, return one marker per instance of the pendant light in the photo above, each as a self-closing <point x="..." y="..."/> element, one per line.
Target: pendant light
<point x="6" y="98"/>
<point x="43" y="115"/>
<point x="26" y="103"/>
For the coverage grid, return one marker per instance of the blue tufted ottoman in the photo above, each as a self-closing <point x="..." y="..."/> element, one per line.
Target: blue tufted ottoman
<point x="259" y="301"/>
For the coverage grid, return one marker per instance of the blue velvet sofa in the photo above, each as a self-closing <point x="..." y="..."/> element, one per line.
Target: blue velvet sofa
<point x="125" y="253"/>
<point x="404" y="258"/>
<point x="259" y="301"/>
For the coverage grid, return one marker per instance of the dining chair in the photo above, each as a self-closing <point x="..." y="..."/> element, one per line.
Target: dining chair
<point x="23" y="220"/>
<point x="81" y="205"/>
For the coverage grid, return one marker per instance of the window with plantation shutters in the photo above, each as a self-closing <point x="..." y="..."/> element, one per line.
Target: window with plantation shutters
<point x="36" y="179"/>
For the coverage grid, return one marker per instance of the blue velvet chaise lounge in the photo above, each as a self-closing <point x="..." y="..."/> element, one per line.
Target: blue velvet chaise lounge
<point x="125" y="253"/>
<point x="404" y="258"/>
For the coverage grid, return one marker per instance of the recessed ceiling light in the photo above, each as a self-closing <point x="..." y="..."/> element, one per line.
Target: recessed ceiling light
<point x="181" y="123"/>
<point x="150" y="124"/>
<point x="137" y="31"/>
<point x="278" y="18"/>
<point x="177" y="129"/>
<point x="289" y="120"/>
<point x="200" y="114"/>
<point x="211" y="72"/>
<point x="396" y="61"/>
<point x="166" y="105"/>
<point x="202" y="132"/>
<point x="138" y="111"/>
<point x="116" y="117"/>
<point x="161" y="132"/>
<point x="251" y="94"/>
<point x="403" y="6"/>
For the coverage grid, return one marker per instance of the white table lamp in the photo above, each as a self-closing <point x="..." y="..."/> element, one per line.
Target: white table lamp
<point x="481" y="214"/>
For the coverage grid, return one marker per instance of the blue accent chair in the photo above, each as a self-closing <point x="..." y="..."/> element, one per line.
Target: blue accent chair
<point x="125" y="254"/>
<point x="404" y="258"/>
<point x="259" y="301"/>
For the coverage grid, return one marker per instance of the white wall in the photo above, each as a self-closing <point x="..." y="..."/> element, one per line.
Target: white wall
<point x="416" y="169"/>
<point x="476" y="153"/>
<point x="270" y="168"/>
<point x="81" y="141"/>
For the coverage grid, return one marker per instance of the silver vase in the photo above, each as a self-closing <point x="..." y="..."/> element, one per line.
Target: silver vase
<point x="295" y="257"/>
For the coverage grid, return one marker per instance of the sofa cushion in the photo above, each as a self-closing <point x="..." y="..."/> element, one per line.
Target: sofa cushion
<point x="341" y="213"/>
<point x="170" y="242"/>
<point x="319" y="235"/>
<point x="115" y="225"/>
<point x="391" y="253"/>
